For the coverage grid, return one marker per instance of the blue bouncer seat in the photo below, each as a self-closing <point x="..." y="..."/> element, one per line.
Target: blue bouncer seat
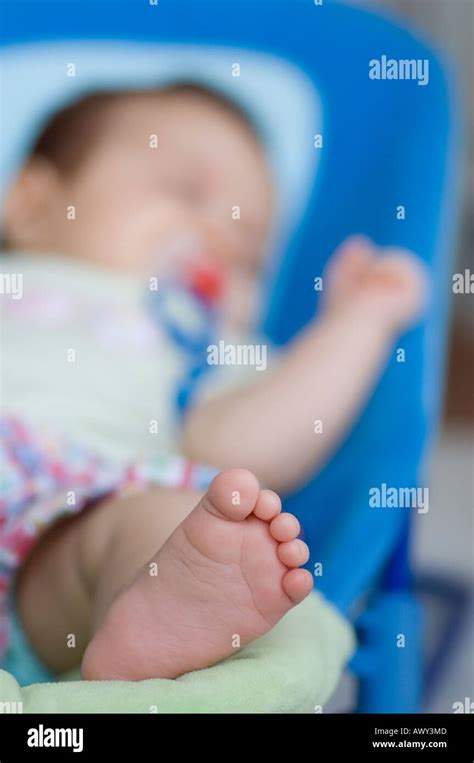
<point x="385" y="144"/>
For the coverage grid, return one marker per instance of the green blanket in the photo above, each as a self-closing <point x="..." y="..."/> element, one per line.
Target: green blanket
<point x="294" y="668"/>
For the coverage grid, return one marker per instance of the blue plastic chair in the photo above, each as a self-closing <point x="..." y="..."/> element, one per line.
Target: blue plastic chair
<point x="386" y="143"/>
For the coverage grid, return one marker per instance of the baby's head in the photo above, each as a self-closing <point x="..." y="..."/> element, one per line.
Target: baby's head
<point x="141" y="169"/>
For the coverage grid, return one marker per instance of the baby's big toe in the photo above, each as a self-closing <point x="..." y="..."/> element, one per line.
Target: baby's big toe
<point x="232" y="494"/>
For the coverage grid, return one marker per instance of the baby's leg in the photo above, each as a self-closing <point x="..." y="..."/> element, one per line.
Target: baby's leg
<point x="225" y="573"/>
<point x="79" y="565"/>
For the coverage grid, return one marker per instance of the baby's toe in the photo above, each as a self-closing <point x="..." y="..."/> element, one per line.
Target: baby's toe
<point x="297" y="584"/>
<point x="268" y="505"/>
<point x="233" y="494"/>
<point x="285" y="527"/>
<point x="293" y="553"/>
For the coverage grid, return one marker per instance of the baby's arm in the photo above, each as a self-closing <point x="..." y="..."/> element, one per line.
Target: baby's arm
<point x="326" y="375"/>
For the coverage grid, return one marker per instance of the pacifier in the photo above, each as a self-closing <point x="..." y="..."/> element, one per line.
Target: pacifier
<point x="191" y="266"/>
<point x="206" y="279"/>
<point x="186" y="305"/>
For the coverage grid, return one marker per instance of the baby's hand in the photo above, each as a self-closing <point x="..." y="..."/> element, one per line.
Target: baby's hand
<point x="387" y="284"/>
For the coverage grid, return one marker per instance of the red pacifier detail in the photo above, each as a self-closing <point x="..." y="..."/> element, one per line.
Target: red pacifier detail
<point x="206" y="279"/>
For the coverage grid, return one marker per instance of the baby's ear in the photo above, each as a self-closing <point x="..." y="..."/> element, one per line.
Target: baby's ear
<point x="30" y="199"/>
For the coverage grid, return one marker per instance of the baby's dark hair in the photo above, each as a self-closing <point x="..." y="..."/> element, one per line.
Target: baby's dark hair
<point x="68" y="135"/>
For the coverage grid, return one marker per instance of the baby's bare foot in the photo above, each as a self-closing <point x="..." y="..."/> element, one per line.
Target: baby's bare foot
<point x="224" y="577"/>
<point x="388" y="285"/>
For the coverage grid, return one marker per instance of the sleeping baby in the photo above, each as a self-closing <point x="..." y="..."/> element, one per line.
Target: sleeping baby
<point x="105" y="531"/>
